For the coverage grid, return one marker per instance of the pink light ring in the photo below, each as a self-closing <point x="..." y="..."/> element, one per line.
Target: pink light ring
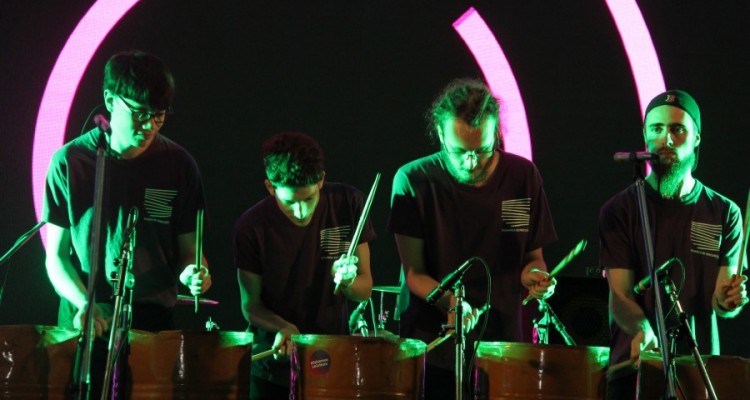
<point x="644" y="62"/>
<point x="499" y="76"/>
<point x="54" y="110"/>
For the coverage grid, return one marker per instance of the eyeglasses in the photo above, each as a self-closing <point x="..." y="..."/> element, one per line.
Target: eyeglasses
<point x="142" y="115"/>
<point x="481" y="153"/>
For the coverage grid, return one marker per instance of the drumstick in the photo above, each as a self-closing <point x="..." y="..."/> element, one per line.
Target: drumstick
<point x="360" y="225"/>
<point x="744" y="235"/>
<point x="630" y="362"/>
<point x="198" y="247"/>
<point x="452" y="332"/>
<point x="562" y="264"/>
<point x="262" y="355"/>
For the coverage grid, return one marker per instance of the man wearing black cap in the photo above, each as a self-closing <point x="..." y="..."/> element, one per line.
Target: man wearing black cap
<point x="690" y="222"/>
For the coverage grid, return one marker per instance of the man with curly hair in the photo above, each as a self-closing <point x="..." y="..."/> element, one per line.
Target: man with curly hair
<point x="290" y="253"/>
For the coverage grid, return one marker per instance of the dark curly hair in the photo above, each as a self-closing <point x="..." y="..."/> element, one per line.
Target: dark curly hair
<point x="293" y="159"/>
<point x="141" y="77"/>
<point x="465" y="98"/>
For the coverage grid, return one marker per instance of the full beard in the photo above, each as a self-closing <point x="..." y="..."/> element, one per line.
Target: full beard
<point x="670" y="175"/>
<point x="465" y="177"/>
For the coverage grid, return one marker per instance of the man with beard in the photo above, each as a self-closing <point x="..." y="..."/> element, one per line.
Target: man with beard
<point x="469" y="199"/>
<point x="689" y="222"/>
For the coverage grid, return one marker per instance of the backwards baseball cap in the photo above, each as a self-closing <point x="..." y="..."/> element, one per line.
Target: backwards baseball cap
<point x="680" y="99"/>
<point x="677" y="98"/>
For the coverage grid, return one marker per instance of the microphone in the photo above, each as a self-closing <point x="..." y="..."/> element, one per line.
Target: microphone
<point x="102" y="123"/>
<point x="631" y="156"/>
<point x="448" y="282"/>
<point x="357" y="321"/>
<point x="645" y="283"/>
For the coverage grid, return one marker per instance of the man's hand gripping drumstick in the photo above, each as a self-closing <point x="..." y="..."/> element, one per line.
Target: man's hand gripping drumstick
<point x="345" y="268"/>
<point x="562" y="264"/>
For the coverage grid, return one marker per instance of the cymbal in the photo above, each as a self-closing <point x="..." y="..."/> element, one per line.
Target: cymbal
<point x="387" y="289"/>
<point x="183" y="299"/>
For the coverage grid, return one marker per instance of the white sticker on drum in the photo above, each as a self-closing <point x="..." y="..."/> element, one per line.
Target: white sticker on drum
<point x="320" y="362"/>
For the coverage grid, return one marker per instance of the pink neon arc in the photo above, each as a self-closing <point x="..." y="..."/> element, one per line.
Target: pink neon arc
<point x="499" y="76"/>
<point x="62" y="84"/>
<point x="644" y="63"/>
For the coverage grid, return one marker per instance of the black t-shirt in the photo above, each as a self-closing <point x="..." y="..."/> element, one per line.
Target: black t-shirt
<point x="499" y="222"/>
<point x="163" y="183"/>
<point x="703" y="230"/>
<point x="295" y="264"/>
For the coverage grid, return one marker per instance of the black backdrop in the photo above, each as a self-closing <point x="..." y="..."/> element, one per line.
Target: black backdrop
<point x="359" y="75"/>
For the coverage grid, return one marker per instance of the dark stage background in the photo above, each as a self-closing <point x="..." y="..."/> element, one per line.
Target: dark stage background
<point x="359" y="75"/>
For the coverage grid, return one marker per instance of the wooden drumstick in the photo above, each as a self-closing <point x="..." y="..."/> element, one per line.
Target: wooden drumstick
<point x="198" y="248"/>
<point x="360" y="225"/>
<point x="562" y="264"/>
<point x="452" y="332"/>
<point x="744" y="236"/>
<point x="262" y="355"/>
<point x="629" y="363"/>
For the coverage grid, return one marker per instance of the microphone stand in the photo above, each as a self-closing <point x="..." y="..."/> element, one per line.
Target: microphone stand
<point x="684" y="330"/>
<point x="20" y="242"/>
<point x="668" y="366"/>
<point x="459" y="337"/>
<point x="121" y="315"/>
<point x="81" y="377"/>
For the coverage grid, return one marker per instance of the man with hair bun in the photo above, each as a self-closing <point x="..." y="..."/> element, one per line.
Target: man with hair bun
<point x="470" y="198"/>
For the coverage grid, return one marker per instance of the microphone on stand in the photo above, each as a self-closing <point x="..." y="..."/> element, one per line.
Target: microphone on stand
<point x="645" y="283"/>
<point x="104" y="130"/>
<point x="357" y="322"/>
<point x="448" y="282"/>
<point x="101" y="122"/>
<point x="633" y="156"/>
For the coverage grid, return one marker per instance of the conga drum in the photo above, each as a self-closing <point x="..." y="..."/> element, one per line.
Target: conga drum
<point x="516" y="371"/>
<point x="188" y="365"/>
<point x="729" y="375"/>
<point x="36" y="361"/>
<point x="362" y="367"/>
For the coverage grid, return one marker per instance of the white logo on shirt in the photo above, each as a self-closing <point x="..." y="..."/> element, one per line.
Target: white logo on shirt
<point x="705" y="239"/>
<point x="333" y="241"/>
<point x="516" y="214"/>
<point x="158" y="205"/>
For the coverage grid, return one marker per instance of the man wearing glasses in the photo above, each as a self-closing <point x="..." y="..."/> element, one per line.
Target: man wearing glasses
<point x="468" y="199"/>
<point x="145" y="170"/>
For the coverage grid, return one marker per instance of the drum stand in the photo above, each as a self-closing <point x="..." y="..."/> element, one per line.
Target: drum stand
<point x="122" y="313"/>
<point x="670" y="393"/>
<point x="683" y="330"/>
<point x="541" y="327"/>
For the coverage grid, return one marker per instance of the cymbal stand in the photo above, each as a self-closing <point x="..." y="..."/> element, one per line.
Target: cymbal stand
<point x="541" y="327"/>
<point x="684" y="330"/>
<point x="383" y="315"/>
